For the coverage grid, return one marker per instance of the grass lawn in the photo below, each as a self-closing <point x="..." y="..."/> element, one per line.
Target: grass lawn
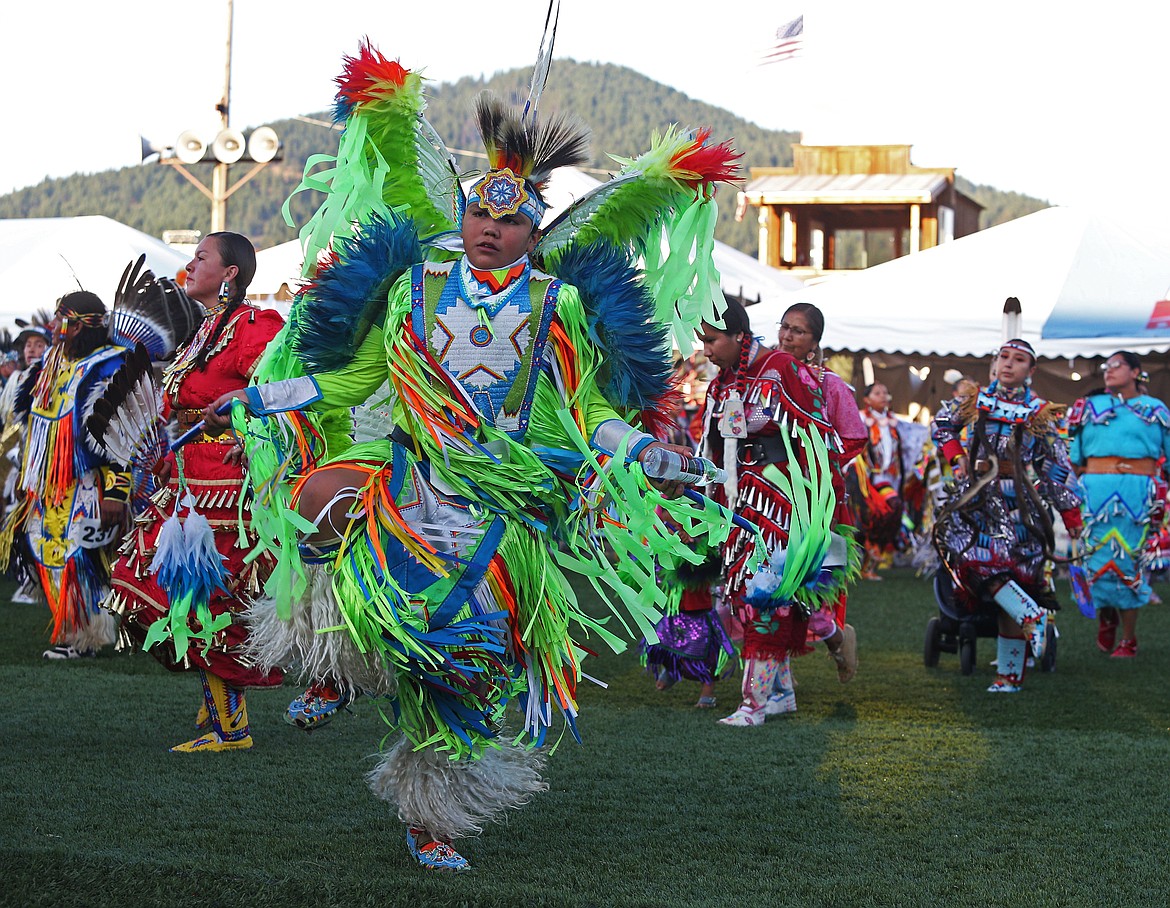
<point x="909" y="786"/>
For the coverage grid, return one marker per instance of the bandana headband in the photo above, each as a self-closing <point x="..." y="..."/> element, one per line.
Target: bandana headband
<point x="87" y="320"/>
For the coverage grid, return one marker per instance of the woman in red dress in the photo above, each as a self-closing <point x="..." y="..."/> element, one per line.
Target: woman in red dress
<point x="763" y="411"/>
<point x="204" y="480"/>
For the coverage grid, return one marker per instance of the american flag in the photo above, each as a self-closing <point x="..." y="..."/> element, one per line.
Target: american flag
<point x="789" y="41"/>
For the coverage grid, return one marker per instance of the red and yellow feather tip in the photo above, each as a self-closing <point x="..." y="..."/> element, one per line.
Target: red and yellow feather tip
<point x="369" y="76"/>
<point x="323" y="264"/>
<point x="697" y="162"/>
<point x="499" y="158"/>
<point x="658" y="418"/>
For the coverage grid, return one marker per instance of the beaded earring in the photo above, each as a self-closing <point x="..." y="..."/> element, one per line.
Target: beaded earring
<point x="745" y="352"/>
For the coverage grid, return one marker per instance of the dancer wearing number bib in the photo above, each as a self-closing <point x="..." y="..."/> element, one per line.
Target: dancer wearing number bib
<point x="72" y="499"/>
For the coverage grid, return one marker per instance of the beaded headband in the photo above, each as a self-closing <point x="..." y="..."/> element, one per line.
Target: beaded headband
<point x="1022" y="345"/>
<point x="502" y="192"/>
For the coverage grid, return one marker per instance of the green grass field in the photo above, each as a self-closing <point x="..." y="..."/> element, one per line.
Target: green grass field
<point x="907" y="786"/>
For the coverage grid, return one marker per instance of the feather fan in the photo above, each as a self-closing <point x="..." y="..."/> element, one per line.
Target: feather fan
<point x="22" y="402"/>
<point x="127" y="422"/>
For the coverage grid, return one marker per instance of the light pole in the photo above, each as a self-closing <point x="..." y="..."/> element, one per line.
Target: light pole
<point x="219" y="173"/>
<point x="228" y="147"/>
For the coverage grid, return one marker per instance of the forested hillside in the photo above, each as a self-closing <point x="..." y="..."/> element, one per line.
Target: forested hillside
<point x="621" y="106"/>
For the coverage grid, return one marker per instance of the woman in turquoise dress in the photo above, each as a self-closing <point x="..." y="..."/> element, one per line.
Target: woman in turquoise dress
<point x="1120" y="441"/>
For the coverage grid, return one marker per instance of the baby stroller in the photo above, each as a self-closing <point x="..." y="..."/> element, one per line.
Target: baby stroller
<point x="956" y="629"/>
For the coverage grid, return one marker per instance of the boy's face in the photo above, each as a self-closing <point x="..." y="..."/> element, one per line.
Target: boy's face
<point x="491" y="243"/>
<point x="34" y="349"/>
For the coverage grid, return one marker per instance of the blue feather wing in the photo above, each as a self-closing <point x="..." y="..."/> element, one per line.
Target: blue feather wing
<point x="348" y="297"/>
<point x="621" y="320"/>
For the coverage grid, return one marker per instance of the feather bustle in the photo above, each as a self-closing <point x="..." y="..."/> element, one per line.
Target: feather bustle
<point x="621" y="319"/>
<point x="152" y="311"/>
<point x="341" y="304"/>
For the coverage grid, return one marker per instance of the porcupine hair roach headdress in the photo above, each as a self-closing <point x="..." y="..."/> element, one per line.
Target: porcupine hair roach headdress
<point x="522" y="154"/>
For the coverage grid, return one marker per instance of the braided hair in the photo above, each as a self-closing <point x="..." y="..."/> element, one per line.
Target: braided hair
<point x="234" y="249"/>
<point x="736" y="321"/>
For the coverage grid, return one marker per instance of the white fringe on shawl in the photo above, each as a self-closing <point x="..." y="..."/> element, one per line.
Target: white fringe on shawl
<point x="273" y="643"/>
<point x="453" y="799"/>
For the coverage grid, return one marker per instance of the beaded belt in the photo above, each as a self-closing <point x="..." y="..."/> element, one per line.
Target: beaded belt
<point x="188" y="418"/>
<point x="1136" y="466"/>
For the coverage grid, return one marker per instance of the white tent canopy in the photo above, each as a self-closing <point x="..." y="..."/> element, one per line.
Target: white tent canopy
<point x="41" y="259"/>
<point x="278" y="271"/>
<point x="949" y="300"/>
<point x="740" y="274"/>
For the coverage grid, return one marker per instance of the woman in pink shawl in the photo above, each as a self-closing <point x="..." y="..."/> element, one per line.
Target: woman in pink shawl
<point x="801" y="329"/>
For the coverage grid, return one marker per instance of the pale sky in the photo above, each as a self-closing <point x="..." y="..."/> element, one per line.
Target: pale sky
<point x="1068" y="108"/>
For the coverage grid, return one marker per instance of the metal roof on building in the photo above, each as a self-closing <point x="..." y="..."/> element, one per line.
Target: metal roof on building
<point x="856" y="188"/>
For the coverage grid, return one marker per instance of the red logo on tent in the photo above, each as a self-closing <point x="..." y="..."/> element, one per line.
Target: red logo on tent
<point x="1160" y="317"/>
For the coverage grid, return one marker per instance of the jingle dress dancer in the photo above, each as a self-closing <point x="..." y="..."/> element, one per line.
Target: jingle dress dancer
<point x="765" y="424"/>
<point x="1120" y="443"/>
<point x="994" y="533"/>
<point x="514" y="390"/>
<point x="205" y="484"/>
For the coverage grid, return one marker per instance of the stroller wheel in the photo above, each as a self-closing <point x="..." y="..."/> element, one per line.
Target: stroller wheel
<point x="966" y="654"/>
<point x="1048" y="661"/>
<point x="933" y="642"/>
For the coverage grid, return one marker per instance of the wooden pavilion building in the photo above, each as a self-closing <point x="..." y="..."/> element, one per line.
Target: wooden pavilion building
<point x="852" y="206"/>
